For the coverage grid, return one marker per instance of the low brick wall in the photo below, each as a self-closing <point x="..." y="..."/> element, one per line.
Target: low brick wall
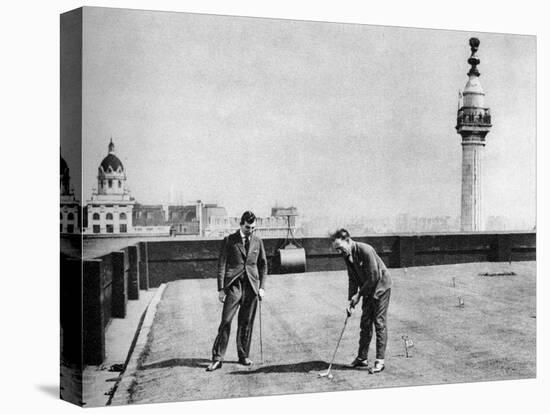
<point x="131" y="267"/>
<point x="71" y="311"/>
<point x="197" y="259"/>
<point x="108" y="282"/>
<point x="93" y="310"/>
<point x="120" y="284"/>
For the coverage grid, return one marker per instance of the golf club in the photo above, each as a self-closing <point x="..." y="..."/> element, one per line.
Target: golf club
<point x="327" y="373"/>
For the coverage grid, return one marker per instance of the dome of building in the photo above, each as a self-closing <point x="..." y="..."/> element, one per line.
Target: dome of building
<point x="111" y="160"/>
<point x="63" y="167"/>
<point x="64" y="177"/>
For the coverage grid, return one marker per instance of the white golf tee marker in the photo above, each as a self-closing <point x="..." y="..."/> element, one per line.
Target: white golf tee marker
<point x="408" y="344"/>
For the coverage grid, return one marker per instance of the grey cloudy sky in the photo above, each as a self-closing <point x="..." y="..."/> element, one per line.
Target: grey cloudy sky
<point x="337" y="119"/>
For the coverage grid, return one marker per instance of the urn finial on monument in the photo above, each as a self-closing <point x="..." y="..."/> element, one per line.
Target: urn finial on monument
<point x="474" y="60"/>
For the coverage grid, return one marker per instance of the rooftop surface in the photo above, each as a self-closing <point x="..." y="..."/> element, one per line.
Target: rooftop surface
<point x="492" y="337"/>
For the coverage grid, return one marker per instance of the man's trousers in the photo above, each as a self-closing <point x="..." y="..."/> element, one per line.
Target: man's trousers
<point x="374" y="313"/>
<point x="239" y="296"/>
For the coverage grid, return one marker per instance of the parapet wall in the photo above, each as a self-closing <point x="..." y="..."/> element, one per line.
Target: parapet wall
<point x="193" y="259"/>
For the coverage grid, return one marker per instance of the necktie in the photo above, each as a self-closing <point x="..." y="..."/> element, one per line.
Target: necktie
<point x="246" y="243"/>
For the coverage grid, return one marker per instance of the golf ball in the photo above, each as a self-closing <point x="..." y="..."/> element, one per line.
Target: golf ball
<point x="330" y="376"/>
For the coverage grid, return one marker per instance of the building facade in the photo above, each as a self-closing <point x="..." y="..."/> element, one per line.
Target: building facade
<point x="112" y="212"/>
<point x="109" y="210"/>
<point x="69" y="215"/>
<point x="145" y="215"/>
<point x="183" y="219"/>
<point x="274" y="226"/>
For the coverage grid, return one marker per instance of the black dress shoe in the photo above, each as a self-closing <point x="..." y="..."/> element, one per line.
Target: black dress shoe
<point x="359" y="363"/>
<point x="214" y="365"/>
<point x="245" y="361"/>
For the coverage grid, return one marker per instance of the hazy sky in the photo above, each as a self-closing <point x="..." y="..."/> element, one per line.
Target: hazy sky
<point x="336" y="119"/>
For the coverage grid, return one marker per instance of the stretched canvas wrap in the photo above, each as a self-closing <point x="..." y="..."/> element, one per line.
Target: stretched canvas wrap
<point x="206" y="164"/>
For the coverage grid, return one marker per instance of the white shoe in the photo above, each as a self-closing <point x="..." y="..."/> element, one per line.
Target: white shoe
<point x="378" y="367"/>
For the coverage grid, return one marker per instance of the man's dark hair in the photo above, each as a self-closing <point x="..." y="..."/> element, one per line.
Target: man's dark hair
<point x="342" y="234"/>
<point x="248" y="217"/>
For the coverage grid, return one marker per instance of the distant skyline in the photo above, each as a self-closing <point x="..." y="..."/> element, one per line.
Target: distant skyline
<point x="336" y="119"/>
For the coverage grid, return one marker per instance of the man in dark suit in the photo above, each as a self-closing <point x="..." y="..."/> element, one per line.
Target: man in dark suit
<point x="242" y="267"/>
<point x="368" y="279"/>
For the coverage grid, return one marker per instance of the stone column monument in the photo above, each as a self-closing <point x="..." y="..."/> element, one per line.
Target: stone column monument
<point x="473" y="124"/>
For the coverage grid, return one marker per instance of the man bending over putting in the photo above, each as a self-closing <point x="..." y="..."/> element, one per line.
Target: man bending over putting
<point x="368" y="279"/>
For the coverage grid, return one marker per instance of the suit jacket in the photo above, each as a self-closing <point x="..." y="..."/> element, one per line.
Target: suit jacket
<point x="367" y="273"/>
<point x="234" y="262"/>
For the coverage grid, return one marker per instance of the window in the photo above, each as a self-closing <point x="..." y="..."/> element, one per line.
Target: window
<point x="96" y="228"/>
<point x="96" y="217"/>
<point x="123" y="228"/>
<point x="60" y="216"/>
<point x="70" y="228"/>
<point x="110" y="228"/>
<point x="70" y="216"/>
<point x="61" y="227"/>
<point x="109" y="216"/>
<point x="101" y="183"/>
<point x="122" y="216"/>
<point x="110" y="183"/>
<point x="119" y="184"/>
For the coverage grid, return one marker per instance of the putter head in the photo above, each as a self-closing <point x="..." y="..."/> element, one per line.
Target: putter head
<point x="326" y="374"/>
